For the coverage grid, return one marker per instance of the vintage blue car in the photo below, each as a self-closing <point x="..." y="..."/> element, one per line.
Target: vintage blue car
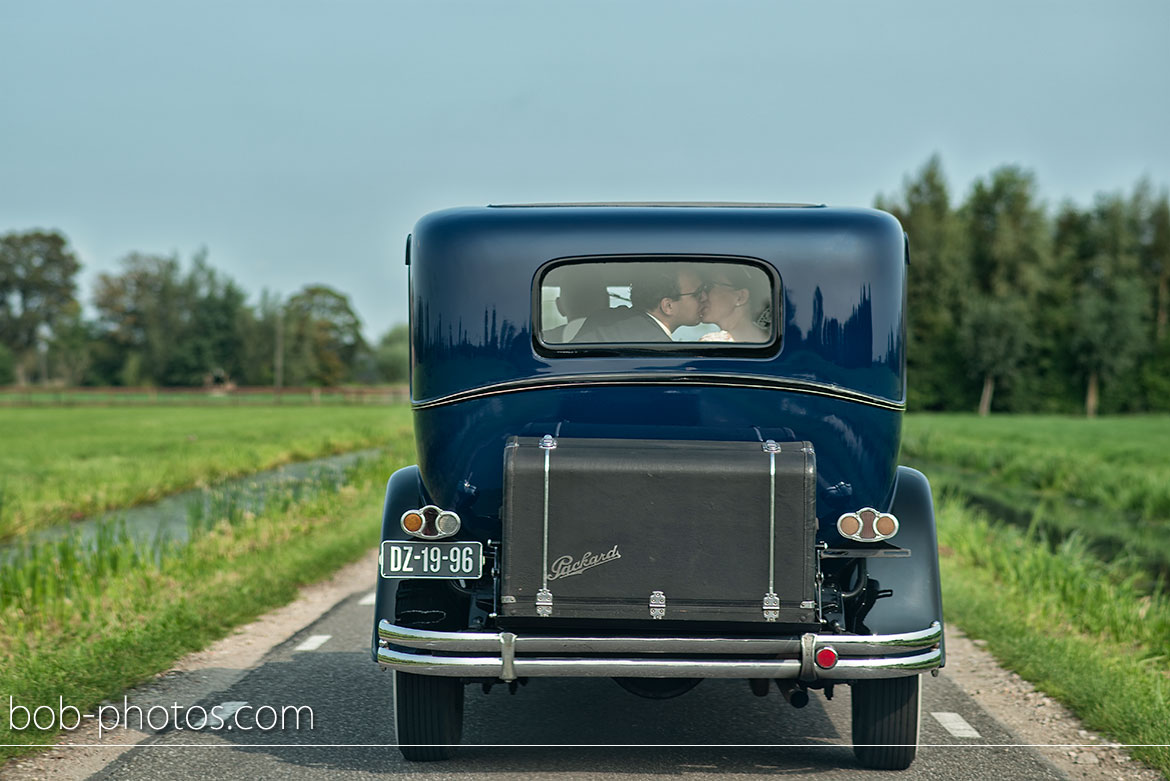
<point x="658" y="443"/>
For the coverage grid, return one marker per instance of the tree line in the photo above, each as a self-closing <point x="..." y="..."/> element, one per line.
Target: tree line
<point x="158" y="324"/>
<point x="1011" y="308"/>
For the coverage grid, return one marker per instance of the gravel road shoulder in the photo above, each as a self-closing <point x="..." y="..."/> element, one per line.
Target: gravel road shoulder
<point x="1036" y="718"/>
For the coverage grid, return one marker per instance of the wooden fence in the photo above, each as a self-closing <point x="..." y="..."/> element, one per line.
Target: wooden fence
<point x="44" y="396"/>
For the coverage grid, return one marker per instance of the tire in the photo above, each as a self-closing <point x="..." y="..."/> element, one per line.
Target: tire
<point x="428" y="716"/>
<point x="886" y="717"/>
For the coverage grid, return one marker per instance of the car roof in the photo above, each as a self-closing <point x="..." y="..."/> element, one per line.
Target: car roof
<point x="666" y="204"/>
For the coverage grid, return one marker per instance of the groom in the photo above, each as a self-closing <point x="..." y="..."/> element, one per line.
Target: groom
<point x="663" y="299"/>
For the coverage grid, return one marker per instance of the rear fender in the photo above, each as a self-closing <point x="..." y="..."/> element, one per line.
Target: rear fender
<point x="917" y="597"/>
<point x="433" y="604"/>
<point x="403" y="492"/>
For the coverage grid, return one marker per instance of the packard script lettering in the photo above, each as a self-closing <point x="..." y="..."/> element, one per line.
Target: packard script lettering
<point x="565" y="566"/>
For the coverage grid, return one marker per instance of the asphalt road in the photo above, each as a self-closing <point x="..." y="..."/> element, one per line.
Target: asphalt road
<point x="703" y="733"/>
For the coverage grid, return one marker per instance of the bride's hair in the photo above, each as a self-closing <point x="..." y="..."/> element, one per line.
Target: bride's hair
<point x="755" y="282"/>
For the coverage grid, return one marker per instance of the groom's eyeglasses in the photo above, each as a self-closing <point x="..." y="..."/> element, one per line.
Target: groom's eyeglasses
<point x="707" y="287"/>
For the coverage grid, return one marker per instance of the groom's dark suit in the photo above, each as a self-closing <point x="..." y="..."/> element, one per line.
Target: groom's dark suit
<point x="621" y="325"/>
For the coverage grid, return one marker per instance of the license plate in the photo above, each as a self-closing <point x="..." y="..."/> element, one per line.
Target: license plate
<point x="450" y="560"/>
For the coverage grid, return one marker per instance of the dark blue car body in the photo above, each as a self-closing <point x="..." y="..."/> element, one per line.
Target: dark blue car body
<point x="837" y="378"/>
<point x="834" y="376"/>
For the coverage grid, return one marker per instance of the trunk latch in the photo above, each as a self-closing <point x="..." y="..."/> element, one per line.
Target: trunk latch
<point x="544" y="603"/>
<point x="657" y="604"/>
<point x="771" y="607"/>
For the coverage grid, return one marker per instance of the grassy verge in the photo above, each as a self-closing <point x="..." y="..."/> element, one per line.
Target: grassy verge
<point x="1084" y="631"/>
<point x="1108" y="534"/>
<point x="1113" y="463"/>
<point x="85" y="621"/>
<point x="64" y="463"/>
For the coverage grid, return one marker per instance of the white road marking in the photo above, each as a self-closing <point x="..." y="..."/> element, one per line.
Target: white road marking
<point x="221" y="712"/>
<point x="956" y="725"/>
<point x="228" y="708"/>
<point x="369" y="599"/>
<point x="313" y="643"/>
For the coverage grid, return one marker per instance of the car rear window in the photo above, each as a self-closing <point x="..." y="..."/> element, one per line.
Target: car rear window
<point x="658" y="302"/>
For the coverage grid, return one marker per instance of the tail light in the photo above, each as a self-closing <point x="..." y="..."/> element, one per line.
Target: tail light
<point x="867" y="525"/>
<point x="430" y="523"/>
<point x="826" y="658"/>
<point x="412" y="522"/>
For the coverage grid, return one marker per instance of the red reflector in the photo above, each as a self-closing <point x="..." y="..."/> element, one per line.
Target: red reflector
<point x="826" y="658"/>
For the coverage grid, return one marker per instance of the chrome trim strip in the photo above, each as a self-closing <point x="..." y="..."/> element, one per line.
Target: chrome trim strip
<point x="646" y="379"/>
<point x="490" y="642"/>
<point x="886" y="667"/>
<point x="492" y="667"/>
<point x="471" y="642"/>
<point x="547" y="444"/>
<point x="772" y="449"/>
<point x="848" y="645"/>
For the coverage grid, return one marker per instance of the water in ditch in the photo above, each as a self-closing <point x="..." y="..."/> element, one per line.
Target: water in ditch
<point x="175" y="517"/>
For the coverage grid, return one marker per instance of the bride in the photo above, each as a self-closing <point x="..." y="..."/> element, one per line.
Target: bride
<point x="729" y="305"/>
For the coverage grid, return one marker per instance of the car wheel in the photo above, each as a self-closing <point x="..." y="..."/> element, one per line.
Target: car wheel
<point x="428" y="716"/>
<point x="886" y="717"/>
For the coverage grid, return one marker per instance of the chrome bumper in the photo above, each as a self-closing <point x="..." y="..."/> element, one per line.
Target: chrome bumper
<point x="509" y="656"/>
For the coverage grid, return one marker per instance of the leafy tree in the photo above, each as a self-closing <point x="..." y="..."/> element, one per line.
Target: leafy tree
<point x="170" y="328"/>
<point x="1074" y="239"/>
<point x="37" y="289"/>
<point x="1108" y="329"/>
<point x="1008" y="248"/>
<point x="212" y="344"/>
<point x="259" y="326"/>
<point x="1108" y="332"/>
<point x="995" y="337"/>
<point x="323" y="336"/>
<point x="106" y="359"/>
<point x="7" y="366"/>
<point x="1008" y="234"/>
<point x="936" y="280"/>
<point x="142" y="311"/>
<point x="1157" y="257"/>
<point x="393" y="354"/>
<point x="1154" y="374"/>
<point x="70" y="348"/>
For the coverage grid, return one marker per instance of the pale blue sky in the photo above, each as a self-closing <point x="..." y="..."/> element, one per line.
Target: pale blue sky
<point x="300" y="141"/>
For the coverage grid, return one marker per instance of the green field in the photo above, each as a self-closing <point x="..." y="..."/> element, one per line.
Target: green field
<point x="83" y="620"/>
<point x="1107" y="480"/>
<point x="1053" y="548"/>
<point x="61" y="463"/>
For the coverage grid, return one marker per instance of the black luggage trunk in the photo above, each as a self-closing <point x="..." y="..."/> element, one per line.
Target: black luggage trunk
<point x="659" y="529"/>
